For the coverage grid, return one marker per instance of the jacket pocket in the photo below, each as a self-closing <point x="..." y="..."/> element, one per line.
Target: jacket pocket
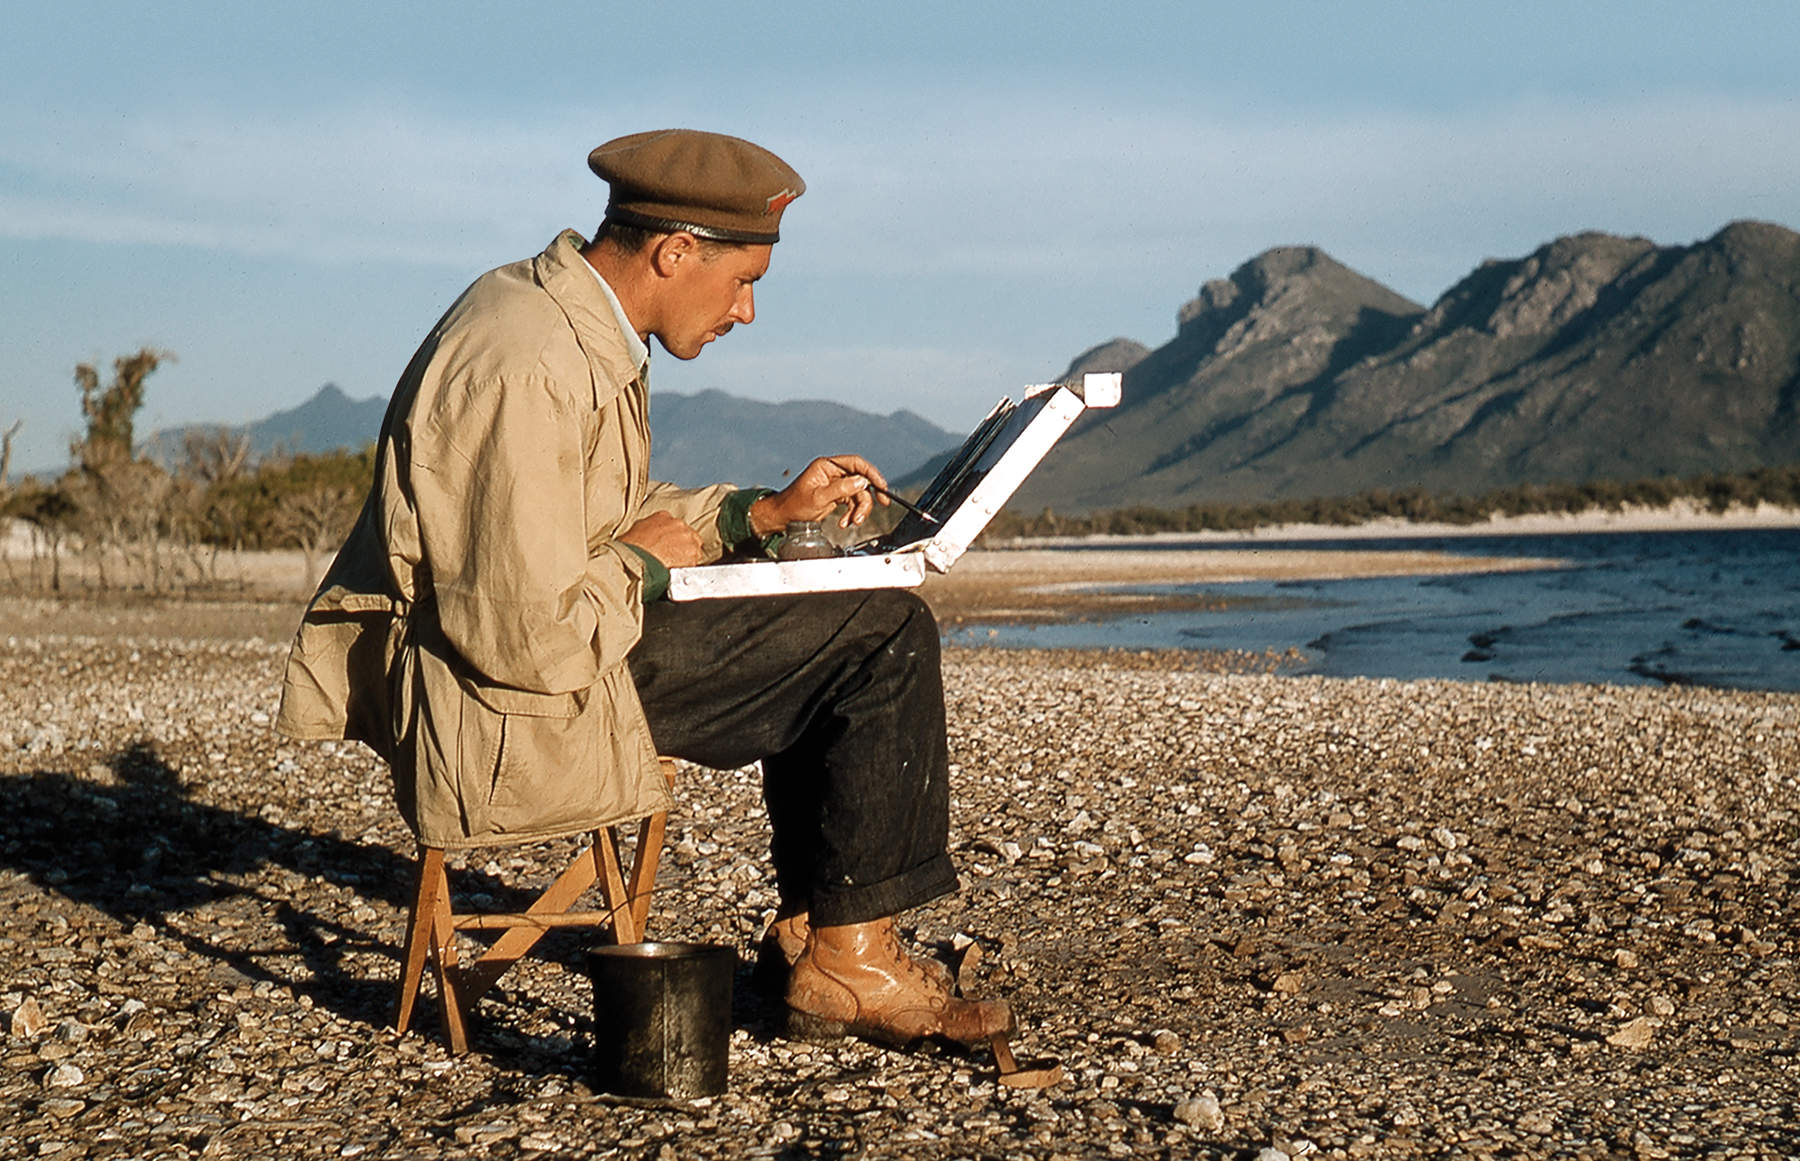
<point x="504" y="699"/>
<point x="557" y="774"/>
<point x="546" y="776"/>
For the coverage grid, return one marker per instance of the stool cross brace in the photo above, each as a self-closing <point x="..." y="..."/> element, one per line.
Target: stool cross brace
<point x="431" y="932"/>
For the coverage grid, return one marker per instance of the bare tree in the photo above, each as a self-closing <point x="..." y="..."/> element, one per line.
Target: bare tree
<point x="214" y="455"/>
<point x="119" y="499"/>
<point x="6" y="443"/>
<point x="317" y="518"/>
<point x="6" y="491"/>
<point x="213" y="512"/>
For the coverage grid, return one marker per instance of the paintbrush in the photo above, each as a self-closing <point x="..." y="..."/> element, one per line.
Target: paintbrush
<point x="881" y="491"/>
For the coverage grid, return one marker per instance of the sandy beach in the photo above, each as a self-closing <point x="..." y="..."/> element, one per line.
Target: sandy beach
<point x="1036" y="579"/>
<point x="1044" y="583"/>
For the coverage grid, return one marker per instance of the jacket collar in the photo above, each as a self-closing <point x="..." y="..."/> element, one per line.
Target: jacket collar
<point x="635" y="347"/>
<point x="568" y="279"/>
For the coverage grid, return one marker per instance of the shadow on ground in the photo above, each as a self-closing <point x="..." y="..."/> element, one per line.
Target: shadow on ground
<point x="139" y="848"/>
<point x="129" y="841"/>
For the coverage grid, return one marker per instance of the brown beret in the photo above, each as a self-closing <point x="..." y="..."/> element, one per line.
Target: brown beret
<point x="710" y="185"/>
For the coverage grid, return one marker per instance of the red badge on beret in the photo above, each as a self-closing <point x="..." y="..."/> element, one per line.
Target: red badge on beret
<point x="782" y="200"/>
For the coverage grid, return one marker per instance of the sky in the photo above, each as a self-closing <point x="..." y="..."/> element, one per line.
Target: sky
<point x="288" y="195"/>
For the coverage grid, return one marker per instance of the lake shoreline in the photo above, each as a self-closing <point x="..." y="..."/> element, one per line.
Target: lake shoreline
<point x="1041" y="580"/>
<point x="1681" y="516"/>
<point x="1045" y="580"/>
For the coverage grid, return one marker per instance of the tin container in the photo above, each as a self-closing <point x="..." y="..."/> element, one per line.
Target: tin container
<point x="662" y="1018"/>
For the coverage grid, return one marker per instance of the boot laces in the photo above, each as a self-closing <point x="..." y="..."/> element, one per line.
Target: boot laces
<point x="914" y="969"/>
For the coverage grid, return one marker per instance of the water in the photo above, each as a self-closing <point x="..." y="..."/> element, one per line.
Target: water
<point x="1719" y="608"/>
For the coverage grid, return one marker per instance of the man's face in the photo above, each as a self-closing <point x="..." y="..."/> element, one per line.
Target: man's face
<point x="712" y="290"/>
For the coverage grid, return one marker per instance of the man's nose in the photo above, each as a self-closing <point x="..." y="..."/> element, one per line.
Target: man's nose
<point x="744" y="309"/>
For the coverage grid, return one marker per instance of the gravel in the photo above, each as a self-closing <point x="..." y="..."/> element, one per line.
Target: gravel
<point x="1252" y="916"/>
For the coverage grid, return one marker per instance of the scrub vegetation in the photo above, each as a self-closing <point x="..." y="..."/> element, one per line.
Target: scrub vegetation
<point x="1714" y="492"/>
<point x="117" y="520"/>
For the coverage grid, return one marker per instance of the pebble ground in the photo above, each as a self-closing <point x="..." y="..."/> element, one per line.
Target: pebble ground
<point x="1254" y="916"/>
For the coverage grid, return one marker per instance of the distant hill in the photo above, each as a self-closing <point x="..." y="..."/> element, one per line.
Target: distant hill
<point x="712" y="436"/>
<point x="1594" y="357"/>
<point x="327" y="421"/>
<point x="330" y="420"/>
<point x="697" y="439"/>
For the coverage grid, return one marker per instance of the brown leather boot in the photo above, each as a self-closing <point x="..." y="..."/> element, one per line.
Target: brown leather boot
<point x="855" y="980"/>
<point x="785" y="941"/>
<point x="781" y="947"/>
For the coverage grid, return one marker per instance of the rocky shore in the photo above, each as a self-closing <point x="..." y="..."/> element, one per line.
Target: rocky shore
<point x="1253" y="916"/>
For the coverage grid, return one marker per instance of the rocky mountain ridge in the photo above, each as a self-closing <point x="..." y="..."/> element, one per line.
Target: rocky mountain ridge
<point x="1593" y="357"/>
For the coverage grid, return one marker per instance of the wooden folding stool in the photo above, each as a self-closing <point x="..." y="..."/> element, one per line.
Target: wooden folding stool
<point x="431" y="929"/>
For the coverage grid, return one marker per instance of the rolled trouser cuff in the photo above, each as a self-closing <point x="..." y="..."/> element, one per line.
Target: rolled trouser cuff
<point x="836" y="906"/>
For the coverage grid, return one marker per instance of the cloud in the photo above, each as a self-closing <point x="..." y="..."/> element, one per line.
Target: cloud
<point x="954" y="243"/>
<point x="1018" y="184"/>
<point x="1020" y="189"/>
<point x="344" y="183"/>
<point x="976" y="185"/>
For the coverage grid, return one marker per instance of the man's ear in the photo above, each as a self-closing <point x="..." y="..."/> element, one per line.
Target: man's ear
<point x="672" y="251"/>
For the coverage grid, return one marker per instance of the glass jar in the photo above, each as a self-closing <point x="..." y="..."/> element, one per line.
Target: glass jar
<point x="805" y="540"/>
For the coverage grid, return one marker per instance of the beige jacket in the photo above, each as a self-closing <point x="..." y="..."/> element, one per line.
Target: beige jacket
<point x="475" y="625"/>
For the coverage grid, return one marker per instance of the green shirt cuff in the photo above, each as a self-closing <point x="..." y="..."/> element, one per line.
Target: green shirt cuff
<point x="656" y="575"/>
<point x="734" y="516"/>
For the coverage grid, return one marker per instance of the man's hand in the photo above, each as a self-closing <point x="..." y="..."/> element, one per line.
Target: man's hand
<point x="822" y="486"/>
<point x="666" y="538"/>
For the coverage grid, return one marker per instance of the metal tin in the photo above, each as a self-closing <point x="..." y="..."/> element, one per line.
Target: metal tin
<point x="662" y="1018"/>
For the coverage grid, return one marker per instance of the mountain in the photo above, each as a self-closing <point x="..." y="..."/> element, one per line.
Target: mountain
<point x="329" y="421"/>
<point x="700" y="439"/>
<point x="1593" y="357"/>
<point x="697" y="439"/>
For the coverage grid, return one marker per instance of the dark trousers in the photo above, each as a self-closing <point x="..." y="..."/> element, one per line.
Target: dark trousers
<point x="841" y="697"/>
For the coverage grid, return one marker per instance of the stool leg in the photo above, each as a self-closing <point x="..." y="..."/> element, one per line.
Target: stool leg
<point x="419" y="924"/>
<point x="443" y="959"/>
<point x="612" y="886"/>
<point x="643" y="867"/>
<point x="431" y="927"/>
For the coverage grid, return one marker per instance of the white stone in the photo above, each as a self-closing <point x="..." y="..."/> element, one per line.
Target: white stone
<point x="64" y="1075"/>
<point x="1201" y="1112"/>
<point x="1635" y="1034"/>
<point x="27" y="1019"/>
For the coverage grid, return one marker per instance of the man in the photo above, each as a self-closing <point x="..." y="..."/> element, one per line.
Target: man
<point x="495" y="626"/>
